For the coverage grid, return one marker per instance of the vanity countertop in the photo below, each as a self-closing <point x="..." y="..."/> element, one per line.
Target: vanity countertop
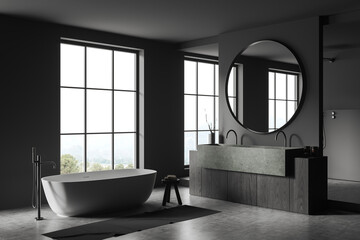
<point x="268" y="160"/>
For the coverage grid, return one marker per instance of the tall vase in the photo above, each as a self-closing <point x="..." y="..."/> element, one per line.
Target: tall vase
<point x="211" y="138"/>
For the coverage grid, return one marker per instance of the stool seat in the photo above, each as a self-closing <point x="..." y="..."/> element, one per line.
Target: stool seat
<point x="168" y="183"/>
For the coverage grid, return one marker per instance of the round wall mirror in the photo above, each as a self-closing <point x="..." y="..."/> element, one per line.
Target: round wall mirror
<point x="265" y="87"/>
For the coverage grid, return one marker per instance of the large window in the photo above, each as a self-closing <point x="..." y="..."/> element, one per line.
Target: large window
<point x="283" y="97"/>
<point x="201" y="104"/>
<point x="98" y="87"/>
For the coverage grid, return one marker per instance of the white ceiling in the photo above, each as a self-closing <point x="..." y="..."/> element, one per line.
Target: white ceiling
<point x="170" y="20"/>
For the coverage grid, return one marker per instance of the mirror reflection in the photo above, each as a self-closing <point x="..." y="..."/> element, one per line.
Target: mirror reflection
<point x="264" y="86"/>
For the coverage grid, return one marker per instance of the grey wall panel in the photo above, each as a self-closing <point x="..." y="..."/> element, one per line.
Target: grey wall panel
<point x="343" y="144"/>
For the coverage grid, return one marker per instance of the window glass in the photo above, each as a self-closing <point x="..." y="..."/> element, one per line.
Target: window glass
<point x="99" y="152"/>
<point x="283" y="88"/>
<point x="271" y="114"/>
<point x="190" y="112"/>
<point x="72" y="153"/>
<point x="99" y="68"/>
<point x="232" y="102"/>
<point x="291" y="108"/>
<point x="204" y="137"/>
<point x="280" y="86"/>
<point x="124" y="111"/>
<point x="72" y="109"/>
<point x="72" y="65"/>
<point x="206" y="78"/>
<point x="124" y="150"/>
<point x="124" y="70"/>
<point x="205" y="112"/>
<point x="271" y="85"/>
<point x="189" y="144"/>
<point x="99" y="111"/>
<point x="280" y="113"/>
<point x="232" y="84"/>
<point x="292" y="87"/>
<point x="190" y="77"/>
<point x="217" y="80"/>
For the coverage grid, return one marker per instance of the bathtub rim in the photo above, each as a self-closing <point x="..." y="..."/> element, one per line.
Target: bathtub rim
<point x="54" y="178"/>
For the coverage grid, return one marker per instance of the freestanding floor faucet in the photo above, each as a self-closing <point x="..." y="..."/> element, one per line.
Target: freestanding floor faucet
<point x="36" y="197"/>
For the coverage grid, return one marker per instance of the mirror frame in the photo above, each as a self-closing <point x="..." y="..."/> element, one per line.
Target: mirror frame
<point x="302" y="98"/>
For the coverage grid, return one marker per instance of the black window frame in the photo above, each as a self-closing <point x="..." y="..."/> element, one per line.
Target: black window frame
<point x="208" y="60"/>
<point x="112" y="48"/>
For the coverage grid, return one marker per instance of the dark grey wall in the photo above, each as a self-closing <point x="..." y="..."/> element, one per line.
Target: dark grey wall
<point x="255" y="94"/>
<point x="30" y="102"/>
<point x="341" y="94"/>
<point x="342" y="144"/>
<point x="308" y="47"/>
<point x="341" y="80"/>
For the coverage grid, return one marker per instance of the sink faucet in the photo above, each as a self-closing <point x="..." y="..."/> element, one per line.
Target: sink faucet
<point x="277" y="134"/>
<point x="231" y="130"/>
<point x="242" y="139"/>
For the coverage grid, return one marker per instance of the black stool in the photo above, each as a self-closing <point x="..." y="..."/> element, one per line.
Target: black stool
<point x="168" y="182"/>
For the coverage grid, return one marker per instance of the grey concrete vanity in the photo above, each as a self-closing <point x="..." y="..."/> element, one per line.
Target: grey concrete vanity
<point x="272" y="177"/>
<point x="269" y="160"/>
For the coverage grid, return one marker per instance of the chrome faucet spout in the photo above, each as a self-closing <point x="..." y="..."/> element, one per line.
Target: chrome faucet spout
<point x="277" y="134"/>
<point x="231" y="130"/>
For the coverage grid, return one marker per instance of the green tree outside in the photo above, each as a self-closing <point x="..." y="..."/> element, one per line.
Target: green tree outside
<point x="119" y="166"/>
<point x="130" y="166"/>
<point x="97" y="167"/>
<point x="69" y="164"/>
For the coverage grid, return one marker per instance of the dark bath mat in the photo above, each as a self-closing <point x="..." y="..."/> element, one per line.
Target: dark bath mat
<point x="124" y="225"/>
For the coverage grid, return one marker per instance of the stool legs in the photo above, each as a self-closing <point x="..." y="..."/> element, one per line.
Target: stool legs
<point x="166" y="197"/>
<point x="167" y="191"/>
<point x="177" y="194"/>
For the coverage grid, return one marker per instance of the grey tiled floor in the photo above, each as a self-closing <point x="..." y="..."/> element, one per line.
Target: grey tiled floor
<point x="235" y="221"/>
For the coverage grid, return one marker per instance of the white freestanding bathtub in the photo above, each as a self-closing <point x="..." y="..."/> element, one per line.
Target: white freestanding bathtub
<point x="97" y="192"/>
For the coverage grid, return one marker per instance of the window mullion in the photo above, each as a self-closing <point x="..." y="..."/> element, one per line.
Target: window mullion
<point x="113" y="115"/>
<point x="137" y="106"/>
<point x="235" y="84"/>
<point x="197" y="104"/>
<point x="275" y="101"/>
<point x="214" y="99"/>
<point x="85" y="112"/>
<point x="286" y="98"/>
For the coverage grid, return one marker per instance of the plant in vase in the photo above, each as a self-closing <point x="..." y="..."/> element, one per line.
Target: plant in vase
<point x="212" y="133"/>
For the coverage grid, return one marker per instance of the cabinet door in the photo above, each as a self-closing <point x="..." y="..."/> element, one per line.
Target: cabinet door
<point x="214" y="183"/>
<point x="242" y="188"/>
<point x="273" y="192"/>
